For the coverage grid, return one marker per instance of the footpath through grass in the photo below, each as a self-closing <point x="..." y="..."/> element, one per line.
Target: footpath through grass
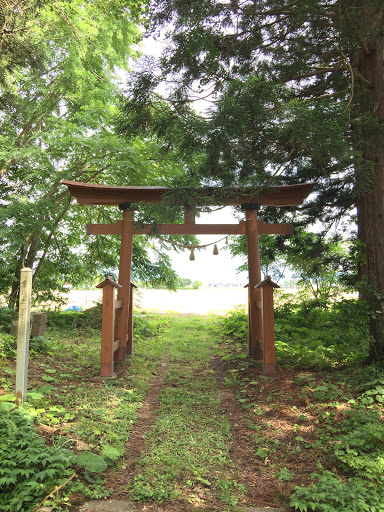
<point x="187" y="451"/>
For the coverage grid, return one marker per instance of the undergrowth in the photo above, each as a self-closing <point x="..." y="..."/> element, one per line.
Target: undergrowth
<point x="72" y="421"/>
<point x="309" y="336"/>
<point x="29" y="469"/>
<point x="187" y="452"/>
<point x="343" y="398"/>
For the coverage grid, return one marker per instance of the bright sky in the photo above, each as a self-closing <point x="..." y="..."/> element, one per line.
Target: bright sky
<point x="207" y="267"/>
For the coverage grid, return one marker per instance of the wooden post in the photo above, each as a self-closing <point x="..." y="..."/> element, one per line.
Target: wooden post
<point x="123" y="293"/>
<point x="23" y="333"/>
<point x="108" y="326"/>
<point x="269" y="356"/>
<point x="130" y="321"/>
<point x="250" y="342"/>
<point x="189" y="217"/>
<point x="255" y="332"/>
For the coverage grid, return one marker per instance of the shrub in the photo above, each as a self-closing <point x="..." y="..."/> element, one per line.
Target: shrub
<point x="29" y="469"/>
<point x="331" y="494"/>
<point x="7" y="316"/>
<point x="309" y="335"/>
<point x="7" y="346"/>
<point x="69" y="320"/>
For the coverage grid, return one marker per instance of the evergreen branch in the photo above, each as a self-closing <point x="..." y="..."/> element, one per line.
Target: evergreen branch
<point x="281" y="166"/>
<point x="348" y="64"/>
<point x="318" y="72"/>
<point x="271" y="12"/>
<point x="330" y="95"/>
<point x="365" y="82"/>
<point x="9" y="32"/>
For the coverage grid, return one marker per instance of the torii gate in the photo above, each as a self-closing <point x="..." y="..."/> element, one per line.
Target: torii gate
<point x="285" y="195"/>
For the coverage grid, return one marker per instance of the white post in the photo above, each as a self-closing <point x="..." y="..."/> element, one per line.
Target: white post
<point x="23" y="333"/>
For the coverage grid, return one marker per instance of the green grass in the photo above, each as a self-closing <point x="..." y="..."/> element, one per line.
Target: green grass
<point x="320" y="432"/>
<point x="187" y="450"/>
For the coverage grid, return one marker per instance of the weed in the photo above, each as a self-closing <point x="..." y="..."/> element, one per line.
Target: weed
<point x="28" y="468"/>
<point x="319" y="338"/>
<point x="230" y="491"/>
<point x="331" y="494"/>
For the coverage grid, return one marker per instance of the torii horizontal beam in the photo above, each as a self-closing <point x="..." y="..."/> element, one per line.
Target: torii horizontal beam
<point x="284" y="195"/>
<point x="192" y="229"/>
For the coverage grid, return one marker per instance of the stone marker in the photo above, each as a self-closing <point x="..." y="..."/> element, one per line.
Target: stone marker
<point x="39" y="324"/>
<point x="23" y="333"/>
<point x="13" y="329"/>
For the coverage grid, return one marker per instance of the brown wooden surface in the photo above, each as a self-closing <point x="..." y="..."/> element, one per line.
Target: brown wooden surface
<point x="188" y="217"/>
<point x="274" y="229"/>
<point x="250" y="338"/>
<point x="269" y="357"/>
<point x="107" y="331"/>
<point x="104" y="229"/>
<point x="192" y="229"/>
<point x="108" y="281"/>
<point x="124" y="280"/>
<point x="269" y="352"/>
<point x="130" y="321"/>
<point x="254" y="271"/>
<point x="86" y="193"/>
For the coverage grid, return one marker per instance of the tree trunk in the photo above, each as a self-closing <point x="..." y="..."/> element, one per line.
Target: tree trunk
<point x="13" y="301"/>
<point x="370" y="188"/>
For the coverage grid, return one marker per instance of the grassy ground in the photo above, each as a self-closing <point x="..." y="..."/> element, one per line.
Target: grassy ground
<point x="186" y="456"/>
<point x="190" y="422"/>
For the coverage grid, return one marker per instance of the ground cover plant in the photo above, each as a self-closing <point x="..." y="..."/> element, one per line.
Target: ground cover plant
<point x="190" y="421"/>
<point x="82" y="421"/>
<point x="309" y="333"/>
<point x="318" y="425"/>
<point x="187" y="453"/>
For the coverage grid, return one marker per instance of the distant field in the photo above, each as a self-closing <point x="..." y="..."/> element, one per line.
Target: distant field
<point x="205" y="300"/>
<point x="202" y="301"/>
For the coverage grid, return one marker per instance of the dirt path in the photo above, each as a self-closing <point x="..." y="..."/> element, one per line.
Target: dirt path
<point x="121" y="482"/>
<point x="251" y="470"/>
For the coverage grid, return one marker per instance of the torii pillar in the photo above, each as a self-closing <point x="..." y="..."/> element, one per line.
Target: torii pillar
<point x="255" y="312"/>
<point x="123" y="293"/>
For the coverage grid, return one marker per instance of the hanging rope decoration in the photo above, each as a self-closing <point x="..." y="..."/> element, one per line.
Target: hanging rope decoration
<point x="193" y="247"/>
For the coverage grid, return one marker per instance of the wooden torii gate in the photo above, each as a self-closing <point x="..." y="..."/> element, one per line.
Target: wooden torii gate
<point x="285" y="195"/>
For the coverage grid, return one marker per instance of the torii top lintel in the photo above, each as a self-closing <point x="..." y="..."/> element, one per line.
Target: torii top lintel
<point x="86" y="193"/>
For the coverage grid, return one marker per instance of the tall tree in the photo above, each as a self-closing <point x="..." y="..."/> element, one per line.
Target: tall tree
<point x="56" y="123"/>
<point x="296" y="94"/>
<point x="19" y="44"/>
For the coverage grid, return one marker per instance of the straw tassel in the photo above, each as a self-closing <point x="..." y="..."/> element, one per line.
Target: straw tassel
<point x="215" y="250"/>
<point x="192" y="255"/>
